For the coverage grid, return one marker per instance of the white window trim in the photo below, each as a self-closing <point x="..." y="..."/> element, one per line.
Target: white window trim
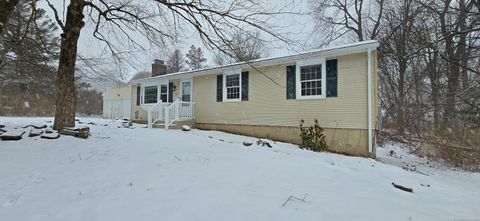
<point x="309" y="62"/>
<point x="191" y="88"/>
<point x="143" y="93"/>
<point x="232" y="72"/>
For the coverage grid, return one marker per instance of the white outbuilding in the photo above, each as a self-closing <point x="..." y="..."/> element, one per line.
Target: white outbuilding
<point x="117" y="101"/>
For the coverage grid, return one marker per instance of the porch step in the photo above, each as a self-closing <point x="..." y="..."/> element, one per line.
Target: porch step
<point x="176" y="125"/>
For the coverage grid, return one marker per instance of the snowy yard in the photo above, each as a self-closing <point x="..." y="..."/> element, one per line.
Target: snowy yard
<point x="154" y="174"/>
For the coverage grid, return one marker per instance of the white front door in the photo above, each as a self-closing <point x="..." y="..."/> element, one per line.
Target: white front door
<point x="164" y="93"/>
<point x="186" y="90"/>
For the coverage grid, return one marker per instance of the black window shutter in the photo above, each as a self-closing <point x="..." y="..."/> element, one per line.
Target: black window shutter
<point x="245" y="86"/>
<point x="332" y="73"/>
<point x="170" y="92"/>
<point x="291" y="82"/>
<point x="138" y="95"/>
<point x="219" y="88"/>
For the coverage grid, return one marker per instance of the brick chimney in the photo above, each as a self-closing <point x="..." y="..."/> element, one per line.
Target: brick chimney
<point x="158" y="67"/>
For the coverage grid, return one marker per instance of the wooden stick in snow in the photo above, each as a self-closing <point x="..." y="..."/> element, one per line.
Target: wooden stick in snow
<point x="406" y="189"/>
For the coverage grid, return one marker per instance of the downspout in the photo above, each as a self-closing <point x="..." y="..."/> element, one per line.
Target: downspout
<point x="369" y="99"/>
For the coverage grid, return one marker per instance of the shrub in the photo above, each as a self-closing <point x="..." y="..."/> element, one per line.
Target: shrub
<point x="312" y="138"/>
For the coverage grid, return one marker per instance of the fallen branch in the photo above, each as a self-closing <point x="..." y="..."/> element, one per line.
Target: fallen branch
<point x="291" y="198"/>
<point x="406" y="189"/>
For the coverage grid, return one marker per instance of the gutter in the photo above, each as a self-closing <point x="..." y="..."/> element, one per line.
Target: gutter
<point x="369" y="99"/>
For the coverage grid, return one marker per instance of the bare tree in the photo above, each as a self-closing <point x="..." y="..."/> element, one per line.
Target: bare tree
<point x="456" y="22"/>
<point x="398" y="54"/>
<point x="157" y="21"/>
<point x="244" y="46"/>
<point x="338" y="18"/>
<point x="195" y="58"/>
<point x="175" y="62"/>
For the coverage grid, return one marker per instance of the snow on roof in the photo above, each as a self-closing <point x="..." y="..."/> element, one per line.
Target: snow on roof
<point x="344" y="49"/>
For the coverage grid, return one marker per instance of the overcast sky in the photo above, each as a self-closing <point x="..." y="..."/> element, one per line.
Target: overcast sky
<point x="297" y="27"/>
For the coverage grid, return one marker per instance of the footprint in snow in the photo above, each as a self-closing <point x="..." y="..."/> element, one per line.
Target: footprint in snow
<point x="11" y="200"/>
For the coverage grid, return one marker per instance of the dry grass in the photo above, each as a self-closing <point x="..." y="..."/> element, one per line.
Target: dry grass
<point x="457" y="145"/>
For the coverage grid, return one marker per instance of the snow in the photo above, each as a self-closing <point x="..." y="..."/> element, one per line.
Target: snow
<point x="154" y="174"/>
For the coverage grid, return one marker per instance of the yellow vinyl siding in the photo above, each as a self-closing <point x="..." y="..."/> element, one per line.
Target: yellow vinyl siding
<point x="268" y="105"/>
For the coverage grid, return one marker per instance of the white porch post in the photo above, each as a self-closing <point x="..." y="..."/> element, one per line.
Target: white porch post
<point x="167" y="118"/>
<point x="149" y="119"/>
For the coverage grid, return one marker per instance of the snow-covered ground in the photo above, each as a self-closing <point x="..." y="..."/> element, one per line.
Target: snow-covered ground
<point x="154" y="174"/>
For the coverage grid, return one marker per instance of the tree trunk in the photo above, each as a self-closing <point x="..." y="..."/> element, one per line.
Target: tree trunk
<point x="6" y="7"/>
<point x="66" y="94"/>
<point x="435" y="85"/>
<point x="401" y="115"/>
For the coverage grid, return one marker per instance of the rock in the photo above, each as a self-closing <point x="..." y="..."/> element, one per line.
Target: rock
<point x="186" y="128"/>
<point x="127" y="123"/>
<point x="12" y="135"/>
<point x="36" y="126"/>
<point x="49" y="130"/>
<point x="35" y="132"/>
<point x="263" y="143"/>
<point x="91" y="123"/>
<point x="247" y="143"/>
<point x="2" y="126"/>
<point x="52" y="135"/>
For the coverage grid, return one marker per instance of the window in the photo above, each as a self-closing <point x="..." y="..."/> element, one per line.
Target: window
<point x="186" y="91"/>
<point x="311" y="80"/>
<point x="151" y="93"/>
<point x="164" y="93"/>
<point x="232" y="85"/>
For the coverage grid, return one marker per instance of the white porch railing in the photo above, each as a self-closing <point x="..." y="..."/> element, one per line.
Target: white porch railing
<point x="186" y="110"/>
<point x="178" y="110"/>
<point x="155" y="113"/>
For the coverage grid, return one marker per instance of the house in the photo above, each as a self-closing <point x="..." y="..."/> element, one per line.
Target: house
<point x="268" y="97"/>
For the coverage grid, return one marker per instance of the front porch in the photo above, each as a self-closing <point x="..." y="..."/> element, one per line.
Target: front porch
<point x="166" y="102"/>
